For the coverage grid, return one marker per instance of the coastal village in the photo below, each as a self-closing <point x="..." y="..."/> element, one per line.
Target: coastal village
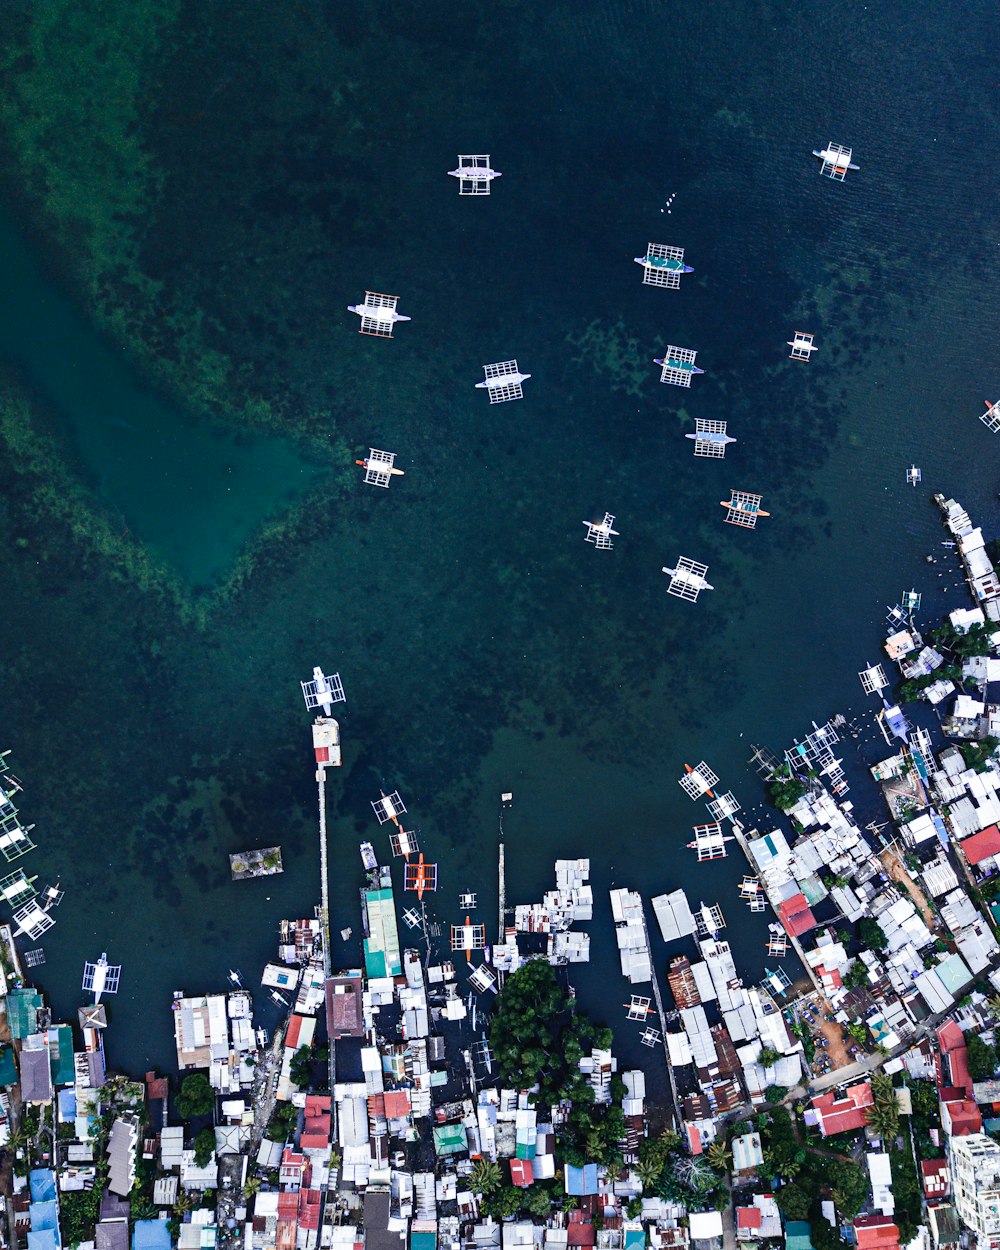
<point x="448" y="1091"/>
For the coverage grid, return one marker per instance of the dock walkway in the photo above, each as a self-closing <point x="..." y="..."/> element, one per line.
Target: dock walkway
<point x="658" y="998"/>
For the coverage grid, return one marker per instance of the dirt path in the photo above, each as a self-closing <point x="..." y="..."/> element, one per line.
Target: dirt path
<point x="837" y="1048"/>
<point x="897" y="872"/>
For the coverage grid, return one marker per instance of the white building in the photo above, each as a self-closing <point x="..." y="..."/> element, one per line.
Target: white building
<point x="975" y="1170"/>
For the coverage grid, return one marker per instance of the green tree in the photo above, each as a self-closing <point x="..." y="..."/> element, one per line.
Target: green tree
<point x="300" y="1069"/>
<point x="872" y="935"/>
<point x="204" y="1147"/>
<point x="775" y="1093"/>
<point x="784" y="789"/>
<point x="982" y="1058"/>
<point x="768" y="1057"/>
<point x="503" y="1202"/>
<point x="196" y="1096"/>
<point x="537" y="1201"/>
<point x="633" y="1208"/>
<point x="794" y="1201"/>
<point x="856" y="975"/>
<point x="719" y="1155"/>
<point x="486" y="1176"/>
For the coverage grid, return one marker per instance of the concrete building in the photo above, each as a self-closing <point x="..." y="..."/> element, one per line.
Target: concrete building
<point x="975" y="1173"/>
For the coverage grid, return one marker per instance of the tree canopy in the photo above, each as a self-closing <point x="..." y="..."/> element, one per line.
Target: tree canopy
<point x="196" y="1096"/>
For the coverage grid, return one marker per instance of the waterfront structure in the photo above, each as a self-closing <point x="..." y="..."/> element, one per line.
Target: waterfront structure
<point x="687" y="579"/>
<point x="378" y="314"/>
<point x="630" y="935"/>
<point x="677" y="366"/>
<point x="381" y="940"/>
<point x="743" y="508"/>
<point x="710" y="438"/>
<point x="326" y="743"/>
<point x="600" y="533"/>
<point x="323" y="691"/>
<point x="836" y="161"/>
<point x="802" y="345"/>
<point x="474" y="174"/>
<point x="975" y="1174"/>
<point x="663" y="265"/>
<point x="380" y="467"/>
<point x="979" y="571"/>
<point x="101" y="977"/>
<point x="503" y="381"/>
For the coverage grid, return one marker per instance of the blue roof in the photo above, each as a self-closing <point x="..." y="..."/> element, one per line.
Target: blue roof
<point x="44" y="1215"/>
<point x="423" y="1241"/>
<point x="151" y="1235"/>
<point x="67" y="1104"/>
<point x="43" y="1184"/>
<point x="581" y="1181"/>
<point x="43" y="1239"/>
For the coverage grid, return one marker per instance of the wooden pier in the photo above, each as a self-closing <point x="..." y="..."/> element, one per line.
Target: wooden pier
<point x="658" y="998"/>
<point x="796" y="944"/>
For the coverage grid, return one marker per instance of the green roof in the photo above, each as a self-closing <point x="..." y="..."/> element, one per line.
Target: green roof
<point x="8" y="1066"/>
<point x="423" y="1241"/>
<point x="524" y="1150"/>
<point x="22" y="1006"/>
<point x="450" y="1139"/>
<point x="798" y="1235"/>
<point x="382" y="943"/>
<point x="61" y="1055"/>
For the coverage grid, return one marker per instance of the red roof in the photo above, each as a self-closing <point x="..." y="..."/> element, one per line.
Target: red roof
<point x="522" y="1173"/>
<point x="397" y="1103"/>
<point x="949" y="1035"/>
<point x="288" y="1205"/>
<point x="316" y="1104"/>
<point x="796" y="916"/>
<point x="309" y="1204"/>
<point x="322" y="755"/>
<point x="982" y="845"/>
<point x="875" y="1232"/>
<point x="748" y="1217"/>
<point x="935" y="1177"/>
<point x="963" y="1117"/>
<point x="294" y="1029"/>
<point x="579" y="1234"/>
<point x="694" y="1139"/>
<point x="841" y="1115"/>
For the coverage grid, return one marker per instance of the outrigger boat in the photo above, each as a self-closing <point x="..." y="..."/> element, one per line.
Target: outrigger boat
<point x="671" y="263"/>
<point x="698" y="778"/>
<point x="420" y="877"/>
<point x="380" y="467"/>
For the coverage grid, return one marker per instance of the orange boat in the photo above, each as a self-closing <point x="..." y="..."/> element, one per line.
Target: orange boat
<point x="420" y="877"/>
<point x="689" y="769"/>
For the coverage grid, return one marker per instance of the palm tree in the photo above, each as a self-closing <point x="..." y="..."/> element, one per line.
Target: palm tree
<point x="648" y="1172"/>
<point x="251" y="1187"/>
<point x="719" y="1155"/>
<point x="485" y="1177"/>
<point x="883" y="1120"/>
<point x="184" y="1202"/>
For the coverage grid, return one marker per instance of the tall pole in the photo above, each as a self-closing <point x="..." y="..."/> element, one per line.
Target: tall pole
<point x="502" y="892"/>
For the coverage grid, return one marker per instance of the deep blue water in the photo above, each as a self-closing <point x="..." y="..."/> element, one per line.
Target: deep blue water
<point x="483" y="644"/>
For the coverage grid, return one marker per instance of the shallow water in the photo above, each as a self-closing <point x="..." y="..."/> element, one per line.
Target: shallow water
<point x="484" y="646"/>
<point x="191" y="489"/>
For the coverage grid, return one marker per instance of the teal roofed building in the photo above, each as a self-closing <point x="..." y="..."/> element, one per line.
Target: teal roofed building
<point x="382" y="957"/>
<point x="22" y="1011"/>
<point x="635" y="1239"/>
<point x="798" y="1235"/>
<point x="450" y="1139"/>
<point x="423" y="1240"/>
<point x="61" y="1054"/>
<point x="8" y="1066"/>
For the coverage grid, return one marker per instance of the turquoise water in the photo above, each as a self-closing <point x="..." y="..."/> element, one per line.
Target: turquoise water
<point x="191" y="489"/>
<point x="483" y="645"/>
